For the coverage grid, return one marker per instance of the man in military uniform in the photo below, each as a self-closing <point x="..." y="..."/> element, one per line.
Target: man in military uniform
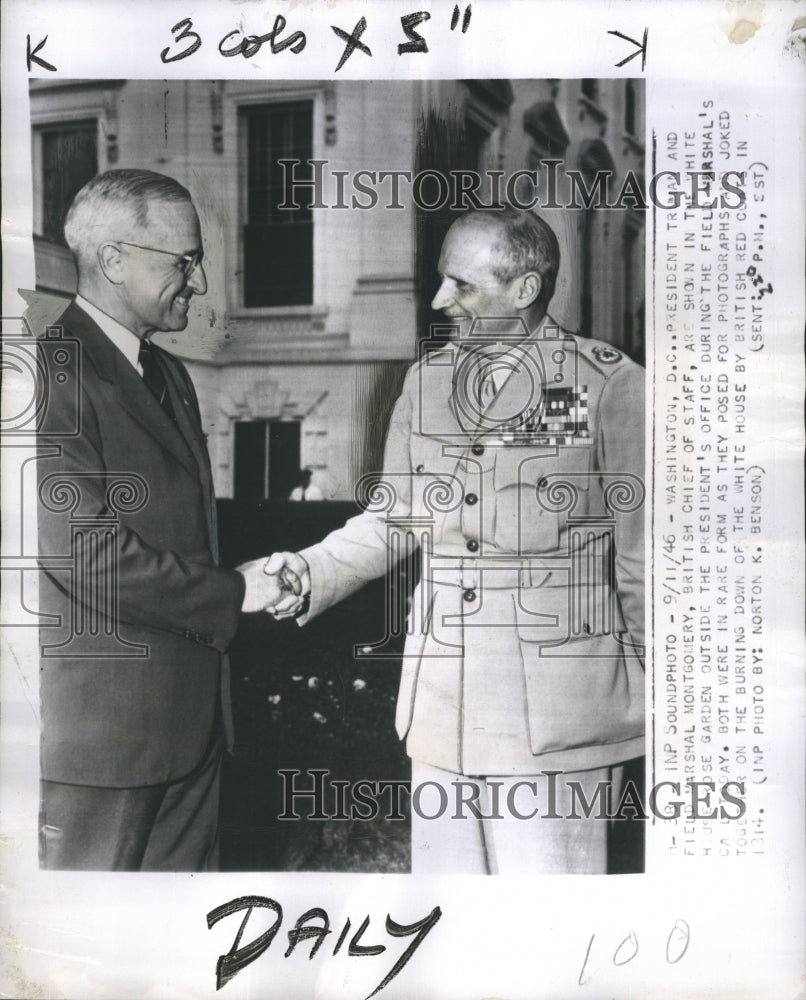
<point x="516" y="453"/>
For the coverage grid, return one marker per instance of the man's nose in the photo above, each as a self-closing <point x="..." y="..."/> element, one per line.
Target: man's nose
<point x="197" y="279"/>
<point x="443" y="296"/>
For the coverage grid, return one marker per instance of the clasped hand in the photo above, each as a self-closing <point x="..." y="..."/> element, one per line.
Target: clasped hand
<point x="279" y="585"/>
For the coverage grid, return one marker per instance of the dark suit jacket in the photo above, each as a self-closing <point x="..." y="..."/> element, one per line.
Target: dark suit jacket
<point x="139" y="612"/>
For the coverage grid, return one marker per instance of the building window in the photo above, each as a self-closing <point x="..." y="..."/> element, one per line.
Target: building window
<point x="550" y="140"/>
<point x="589" y="273"/>
<point x="594" y="161"/>
<point x="633" y="318"/>
<point x="267" y="459"/>
<point x="277" y="243"/>
<point x="629" y="108"/>
<point x="69" y="160"/>
<point x="590" y="89"/>
<point x="478" y="142"/>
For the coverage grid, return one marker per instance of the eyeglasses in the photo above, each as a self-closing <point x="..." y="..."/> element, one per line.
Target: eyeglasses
<point x="190" y="261"/>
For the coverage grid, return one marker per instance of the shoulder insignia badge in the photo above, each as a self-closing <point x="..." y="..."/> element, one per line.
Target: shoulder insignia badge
<point x="607" y="355"/>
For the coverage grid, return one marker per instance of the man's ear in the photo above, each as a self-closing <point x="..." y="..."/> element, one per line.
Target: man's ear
<point x="528" y="289"/>
<point x="110" y="260"/>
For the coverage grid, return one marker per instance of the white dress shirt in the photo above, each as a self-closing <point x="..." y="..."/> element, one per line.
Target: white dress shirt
<point x="127" y="343"/>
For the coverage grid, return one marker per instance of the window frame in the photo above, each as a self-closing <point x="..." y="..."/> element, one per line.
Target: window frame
<point x="40" y="130"/>
<point x="67" y="104"/>
<point x="236" y="135"/>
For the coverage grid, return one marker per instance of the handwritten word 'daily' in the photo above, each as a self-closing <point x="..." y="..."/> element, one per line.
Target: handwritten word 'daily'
<point x="313" y="925"/>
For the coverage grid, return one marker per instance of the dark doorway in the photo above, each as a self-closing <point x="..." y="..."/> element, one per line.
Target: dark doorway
<point x="267" y="457"/>
<point x="284" y="438"/>
<point x="250" y="460"/>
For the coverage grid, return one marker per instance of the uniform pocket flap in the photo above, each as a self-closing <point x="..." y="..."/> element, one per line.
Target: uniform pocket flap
<point x="557" y="614"/>
<point x="544" y="469"/>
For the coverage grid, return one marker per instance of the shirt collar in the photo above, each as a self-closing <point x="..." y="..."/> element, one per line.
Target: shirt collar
<point x="127" y="343"/>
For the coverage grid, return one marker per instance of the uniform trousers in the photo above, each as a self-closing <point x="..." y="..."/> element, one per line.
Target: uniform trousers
<point x="510" y="825"/>
<point x="168" y="827"/>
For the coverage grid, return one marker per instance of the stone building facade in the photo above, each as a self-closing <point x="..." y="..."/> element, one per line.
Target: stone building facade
<point x="313" y="314"/>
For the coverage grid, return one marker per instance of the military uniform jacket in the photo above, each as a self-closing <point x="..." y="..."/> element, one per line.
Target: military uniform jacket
<point x="525" y="639"/>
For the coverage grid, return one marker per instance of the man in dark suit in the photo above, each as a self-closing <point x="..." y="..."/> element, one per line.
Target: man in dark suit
<point x="137" y="614"/>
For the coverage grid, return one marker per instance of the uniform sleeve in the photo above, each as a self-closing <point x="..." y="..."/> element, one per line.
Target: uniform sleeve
<point x="357" y="553"/>
<point x="621" y="422"/>
<point x="156" y="587"/>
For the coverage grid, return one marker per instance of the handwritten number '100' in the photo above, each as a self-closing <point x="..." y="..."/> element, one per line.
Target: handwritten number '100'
<point x="676" y="946"/>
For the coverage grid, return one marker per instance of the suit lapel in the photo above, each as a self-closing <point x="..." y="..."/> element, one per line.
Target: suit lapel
<point x="183" y="407"/>
<point x="187" y="418"/>
<point x="127" y="388"/>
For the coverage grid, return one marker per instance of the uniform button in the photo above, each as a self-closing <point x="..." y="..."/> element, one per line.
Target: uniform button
<point x="478" y="449"/>
<point x="420" y="468"/>
<point x="470" y="499"/>
<point x="469" y="595"/>
<point x="472" y="545"/>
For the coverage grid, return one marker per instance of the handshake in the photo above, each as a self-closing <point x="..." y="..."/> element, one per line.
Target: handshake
<point x="280" y="585"/>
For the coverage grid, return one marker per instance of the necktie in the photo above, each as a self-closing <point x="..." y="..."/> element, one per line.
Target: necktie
<point x="153" y="377"/>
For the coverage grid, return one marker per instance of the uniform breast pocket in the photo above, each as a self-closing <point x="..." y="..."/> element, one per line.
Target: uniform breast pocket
<point x="426" y="454"/>
<point x="435" y="487"/>
<point x="536" y="492"/>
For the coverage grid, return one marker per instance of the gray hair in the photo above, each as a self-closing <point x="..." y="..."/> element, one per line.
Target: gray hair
<point x="122" y="197"/>
<point x="526" y="242"/>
